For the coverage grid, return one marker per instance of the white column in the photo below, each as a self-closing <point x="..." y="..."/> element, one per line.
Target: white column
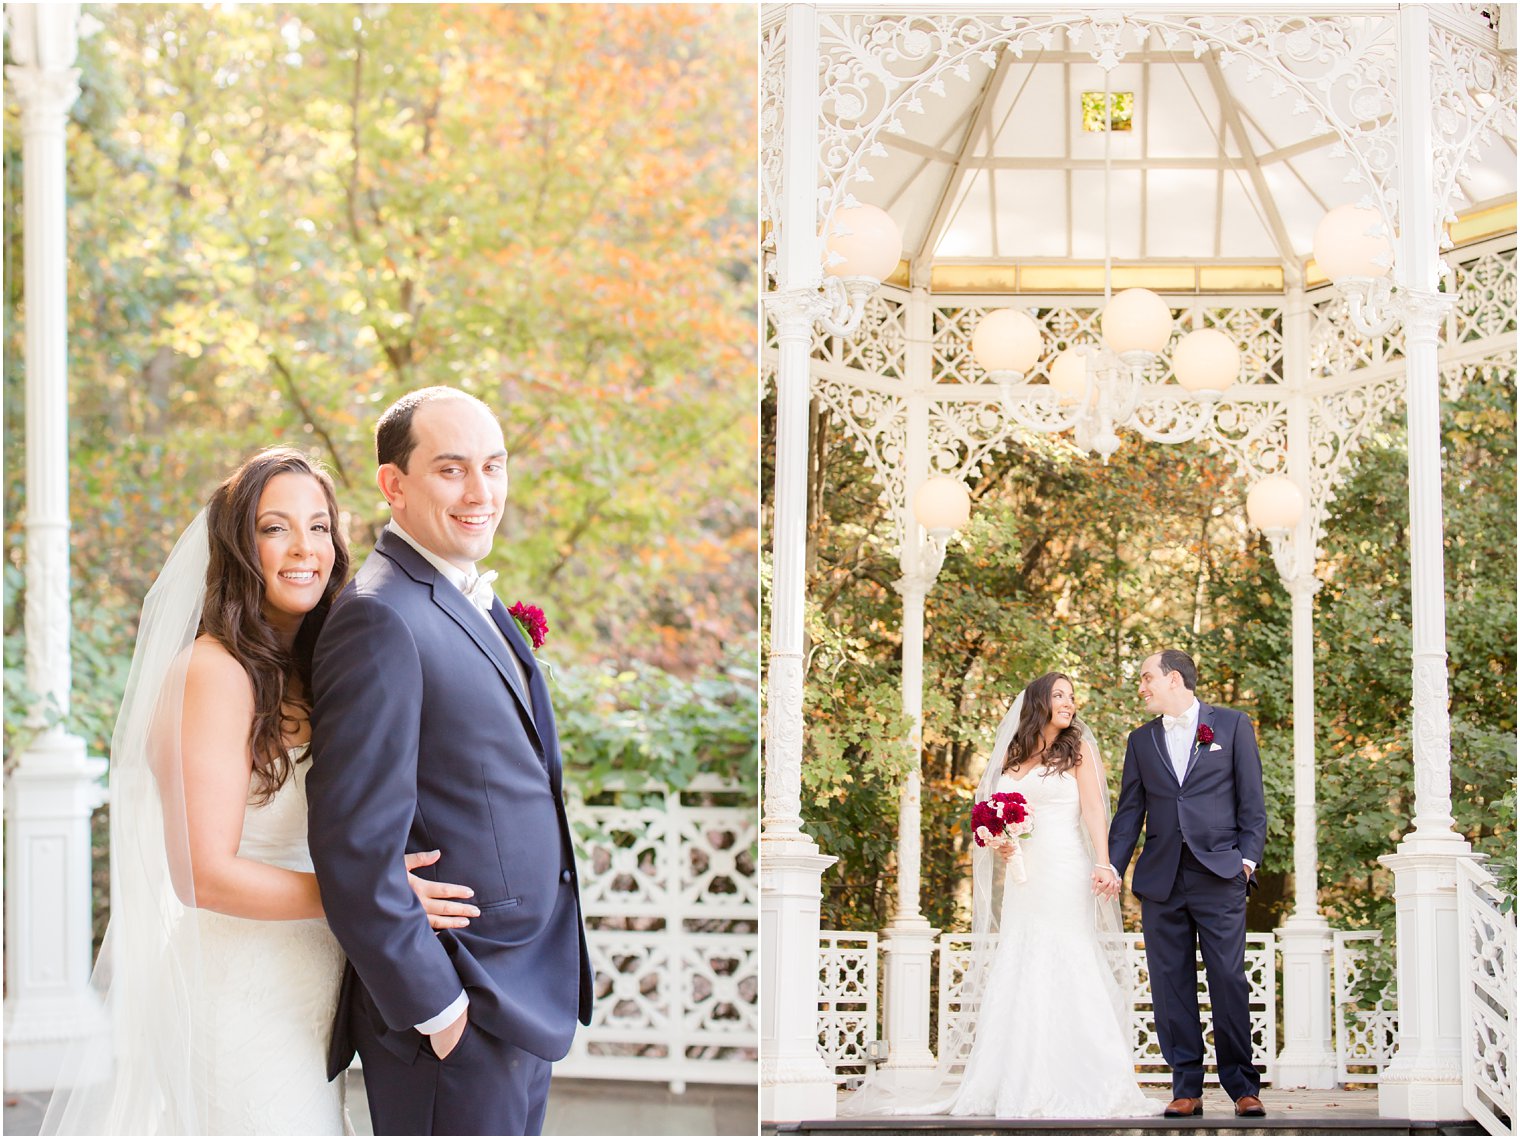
<point x="908" y="943"/>
<point x="1307" y="1059"/>
<point x="1424" y="1079"/>
<point x="54" y="788"/>
<point x="794" y="1082"/>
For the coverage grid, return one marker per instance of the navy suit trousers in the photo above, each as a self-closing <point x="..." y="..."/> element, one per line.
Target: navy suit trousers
<point x="1208" y="913"/>
<point x="485" y="1086"/>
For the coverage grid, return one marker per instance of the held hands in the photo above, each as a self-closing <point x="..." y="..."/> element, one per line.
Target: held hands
<point x="1105" y="882"/>
<point x="441" y="914"/>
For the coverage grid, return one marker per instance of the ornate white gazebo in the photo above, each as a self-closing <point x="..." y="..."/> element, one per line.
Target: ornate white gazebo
<point x="1248" y="126"/>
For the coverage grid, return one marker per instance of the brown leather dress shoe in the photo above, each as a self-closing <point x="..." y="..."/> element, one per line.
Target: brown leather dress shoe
<point x="1249" y="1105"/>
<point x="1184" y="1106"/>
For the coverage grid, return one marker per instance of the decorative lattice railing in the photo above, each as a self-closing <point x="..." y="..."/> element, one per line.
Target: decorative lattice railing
<point x="1366" y="1006"/>
<point x="848" y="1036"/>
<point x="846" y="1000"/>
<point x="1488" y="1000"/>
<point x="669" y="891"/>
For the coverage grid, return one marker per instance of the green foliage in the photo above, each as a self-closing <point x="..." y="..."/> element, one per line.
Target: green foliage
<point x="625" y="727"/>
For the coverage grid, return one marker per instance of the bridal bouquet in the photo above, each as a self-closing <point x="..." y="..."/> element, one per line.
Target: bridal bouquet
<point x="1000" y="821"/>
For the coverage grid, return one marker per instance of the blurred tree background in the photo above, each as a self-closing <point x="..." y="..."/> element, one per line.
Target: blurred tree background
<point x="1074" y="566"/>
<point x="282" y="217"/>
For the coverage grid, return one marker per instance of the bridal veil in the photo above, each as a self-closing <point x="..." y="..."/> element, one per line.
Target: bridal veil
<point x="141" y="1078"/>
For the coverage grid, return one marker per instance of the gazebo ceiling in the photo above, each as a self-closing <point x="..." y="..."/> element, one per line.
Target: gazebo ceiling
<point x="999" y="173"/>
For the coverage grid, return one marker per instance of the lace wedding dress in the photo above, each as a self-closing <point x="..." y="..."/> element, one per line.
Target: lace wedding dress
<point x="1049" y="1041"/>
<point x="265" y="1010"/>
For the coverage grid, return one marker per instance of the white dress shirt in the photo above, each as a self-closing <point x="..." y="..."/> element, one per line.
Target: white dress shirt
<point x="1181" y="732"/>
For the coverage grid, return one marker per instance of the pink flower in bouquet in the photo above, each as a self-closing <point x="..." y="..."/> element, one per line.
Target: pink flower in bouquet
<point x="530" y="619"/>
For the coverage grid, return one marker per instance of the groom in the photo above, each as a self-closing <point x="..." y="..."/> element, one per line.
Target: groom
<point x="432" y="730"/>
<point x="1193" y="776"/>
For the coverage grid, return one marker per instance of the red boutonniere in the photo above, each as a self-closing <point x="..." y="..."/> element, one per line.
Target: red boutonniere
<point x="1205" y="735"/>
<point x="530" y="619"/>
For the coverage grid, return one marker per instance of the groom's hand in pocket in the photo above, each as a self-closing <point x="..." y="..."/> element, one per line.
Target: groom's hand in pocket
<point x="1250" y="873"/>
<point x="447" y="1040"/>
<point x="435" y="896"/>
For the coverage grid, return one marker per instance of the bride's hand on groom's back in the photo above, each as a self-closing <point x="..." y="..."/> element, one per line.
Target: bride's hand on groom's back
<point x="442" y="913"/>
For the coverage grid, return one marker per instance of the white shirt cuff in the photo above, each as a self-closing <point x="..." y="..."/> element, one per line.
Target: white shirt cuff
<point x="447" y="1017"/>
<point x="1249" y="863"/>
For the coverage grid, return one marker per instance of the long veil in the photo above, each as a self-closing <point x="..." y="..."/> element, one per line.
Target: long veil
<point x="892" y="1091"/>
<point x="140" y="1079"/>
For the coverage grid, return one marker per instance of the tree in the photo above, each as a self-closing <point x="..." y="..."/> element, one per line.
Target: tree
<point x="282" y="217"/>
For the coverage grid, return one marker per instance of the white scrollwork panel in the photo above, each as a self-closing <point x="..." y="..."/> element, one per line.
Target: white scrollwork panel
<point x="877" y="424"/>
<point x="1488" y="999"/>
<point x="1256" y="330"/>
<point x="669" y="890"/>
<point x="847" y="987"/>
<point x="1473" y="100"/>
<point x="1335" y="345"/>
<point x="1365" y="1028"/>
<point x="1485" y="298"/>
<point x="879" y="347"/>
<point x="1338" y="423"/>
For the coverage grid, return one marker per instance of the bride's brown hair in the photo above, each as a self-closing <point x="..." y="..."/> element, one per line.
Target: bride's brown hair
<point x="1066" y="752"/>
<point x="234" y="608"/>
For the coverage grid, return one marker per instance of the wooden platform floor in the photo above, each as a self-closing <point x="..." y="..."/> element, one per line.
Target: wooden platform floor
<point x="1342" y="1111"/>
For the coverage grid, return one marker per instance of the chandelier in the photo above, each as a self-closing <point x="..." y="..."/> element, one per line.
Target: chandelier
<point x="1094" y="389"/>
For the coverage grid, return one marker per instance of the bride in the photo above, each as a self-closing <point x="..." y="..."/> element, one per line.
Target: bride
<point x="218" y="971"/>
<point x="1047" y="979"/>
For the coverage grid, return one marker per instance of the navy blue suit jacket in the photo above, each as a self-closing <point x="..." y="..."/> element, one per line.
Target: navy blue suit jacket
<point x="421" y="740"/>
<point x="1219" y="810"/>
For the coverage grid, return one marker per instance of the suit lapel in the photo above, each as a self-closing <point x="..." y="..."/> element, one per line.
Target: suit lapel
<point x="472" y="621"/>
<point x="514" y="636"/>
<point x="464" y="614"/>
<point x="1158" y="741"/>
<point x="1205" y="717"/>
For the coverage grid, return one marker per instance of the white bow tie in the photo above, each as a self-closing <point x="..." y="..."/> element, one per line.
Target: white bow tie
<point x="1169" y="723"/>
<point x="478" y="590"/>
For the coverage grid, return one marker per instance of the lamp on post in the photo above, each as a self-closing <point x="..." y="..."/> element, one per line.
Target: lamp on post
<point x="1352" y="249"/>
<point x="1275" y="505"/>
<point x="941" y="506"/>
<point x="863" y="245"/>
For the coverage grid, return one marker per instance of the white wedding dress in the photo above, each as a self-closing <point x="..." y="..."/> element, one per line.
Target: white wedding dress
<point x="1049" y="1041"/>
<point x="264" y="1013"/>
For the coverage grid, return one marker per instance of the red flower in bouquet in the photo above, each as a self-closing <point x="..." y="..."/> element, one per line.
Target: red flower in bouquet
<point x="999" y="821"/>
<point x="530" y="619"/>
<point x="1001" y="814"/>
<point x="1205" y="735"/>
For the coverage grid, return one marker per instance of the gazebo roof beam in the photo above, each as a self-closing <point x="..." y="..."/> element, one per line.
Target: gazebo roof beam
<point x="944" y="208"/>
<point x="1259" y="188"/>
<point x="928" y="152"/>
